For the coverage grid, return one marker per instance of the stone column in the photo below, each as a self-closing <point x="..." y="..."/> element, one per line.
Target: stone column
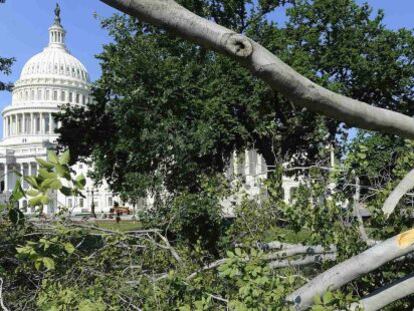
<point x="50" y="123"/>
<point x="24" y="123"/>
<point x="41" y="121"/>
<point x="6" y="178"/>
<point x="31" y="131"/>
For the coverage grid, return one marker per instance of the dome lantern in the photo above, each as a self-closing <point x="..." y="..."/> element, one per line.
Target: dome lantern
<point x="56" y="32"/>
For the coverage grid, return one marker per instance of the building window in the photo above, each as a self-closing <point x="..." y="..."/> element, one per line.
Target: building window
<point x="69" y="202"/>
<point x="62" y="96"/>
<point x="110" y="201"/>
<point x="77" y="98"/>
<point x="32" y="94"/>
<point x="83" y="99"/>
<point x="70" y="97"/>
<point x="55" y="95"/>
<point x="39" y="94"/>
<point x="47" y="97"/>
<point x="81" y="202"/>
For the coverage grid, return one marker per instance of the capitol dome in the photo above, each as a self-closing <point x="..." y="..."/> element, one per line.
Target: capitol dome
<point x="48" y="80"/>
<point x="55" y="62"/>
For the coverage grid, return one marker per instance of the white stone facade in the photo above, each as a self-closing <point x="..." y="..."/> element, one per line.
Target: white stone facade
<point x="250" y="170"/>
<point x="48" y="80"/>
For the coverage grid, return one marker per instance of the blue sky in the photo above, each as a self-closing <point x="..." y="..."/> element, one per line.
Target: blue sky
<point x="24" y="29"/>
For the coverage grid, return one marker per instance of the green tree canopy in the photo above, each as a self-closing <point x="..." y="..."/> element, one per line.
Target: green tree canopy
<point x="167" y="111"/>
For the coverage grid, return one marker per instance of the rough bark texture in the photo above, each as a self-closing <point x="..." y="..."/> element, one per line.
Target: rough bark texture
<point x="388" y="294"/>
<point x="353" y="268"/>
<point x="405" y="185"/>
<point x="263" y="64"/>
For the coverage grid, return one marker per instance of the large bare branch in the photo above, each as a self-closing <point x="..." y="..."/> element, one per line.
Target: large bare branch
<point x="307" y="260"/>
<point x="263" y="64"/>
<point x="353" y="268"/>
<point x="388" y="294"/>
<point x="406" y="184"/>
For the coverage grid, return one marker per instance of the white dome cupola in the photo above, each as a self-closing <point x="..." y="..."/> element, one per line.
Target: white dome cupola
<point x="56" y="31"/>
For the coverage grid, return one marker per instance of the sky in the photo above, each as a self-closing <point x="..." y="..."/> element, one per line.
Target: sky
<point x="24" y="29"/>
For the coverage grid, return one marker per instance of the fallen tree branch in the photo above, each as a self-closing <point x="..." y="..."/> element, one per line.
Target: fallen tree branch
<point x="388" y="294"/>
<point x="307" y="260"/>
<point x="405" y="185"/>
<point x="302" y="249"/>
<point x="209" y="266"/>
<point x="353" y="268"/>
<point x="266" y="66"/>
<point x="170" y="248"/>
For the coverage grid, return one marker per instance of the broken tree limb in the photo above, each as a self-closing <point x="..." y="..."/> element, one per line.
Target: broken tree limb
<point x="353" y="268"/>
<point x="388" y="294"/>
<point x="301" y="250"/>
<point x="307" y="260"/>
<point x="406" y="184"/>
<point x="268" y="67"/>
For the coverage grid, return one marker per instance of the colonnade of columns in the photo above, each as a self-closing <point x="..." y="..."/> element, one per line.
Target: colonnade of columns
<point x="9" y="177"/>
<point x="28" y="123"/>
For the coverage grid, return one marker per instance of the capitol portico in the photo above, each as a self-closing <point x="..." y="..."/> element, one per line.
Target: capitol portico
<point x="48" y="80"/>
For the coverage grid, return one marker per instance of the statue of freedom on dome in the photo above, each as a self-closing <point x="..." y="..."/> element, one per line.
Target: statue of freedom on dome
<point x="57" y="14"/>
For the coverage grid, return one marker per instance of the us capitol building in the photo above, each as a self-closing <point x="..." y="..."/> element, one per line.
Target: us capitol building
<point x="48" y="80"/>
<point x="54" y="78"/>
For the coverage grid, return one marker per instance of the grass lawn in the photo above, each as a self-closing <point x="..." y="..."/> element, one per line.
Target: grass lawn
<point x="123" y="225"/>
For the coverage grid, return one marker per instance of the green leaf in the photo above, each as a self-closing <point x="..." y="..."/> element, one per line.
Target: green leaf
<point x="66" y="191"/>
<point x="45" y="164"/>
<point x="32" y="181"/>
<point x="52" y="157"/>
<point x="36" y="201"/>
<point x="52" y="183"/>
<point x="65" y="157"/>
<point x="69" y="248"/>
<point x="49" y="263"/>
<point x="44" y="199"/>
<point x="63" y="171"/>
<point x="16" y="216"/>
<point x="46" y="175"/>
<point x="80" y="181"/>
<point x="32" y="192"/>
<point x="18" y="192"/>
<point x="327" y="297"/>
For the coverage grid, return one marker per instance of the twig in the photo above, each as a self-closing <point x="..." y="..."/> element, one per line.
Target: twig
<point x="3" y="307"/>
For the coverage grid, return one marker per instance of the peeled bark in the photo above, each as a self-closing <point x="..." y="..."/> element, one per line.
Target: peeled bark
<point x="263" y="64"/>
<point x="353" y="268"/>
<point x="388" y="294"/>
<point x="405" y="185"/>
